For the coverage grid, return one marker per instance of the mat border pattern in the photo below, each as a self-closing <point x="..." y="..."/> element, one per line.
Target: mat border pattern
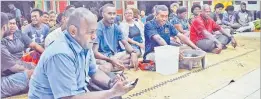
<point x="184" y="76"/>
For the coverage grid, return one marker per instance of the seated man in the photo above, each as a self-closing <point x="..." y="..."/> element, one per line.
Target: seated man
<point x="202" y="33"/>
<point x="180" y="22"/>
<point x="67" y="66"/>
<point x="158" y="32"/>
<point x="244" y="18"/>
<point x="58" y="33"/>
<point x="217" y="15"/>
<point x="45" y="18"/>
<point x="16" y="42"/>
<point x="108" y="52"/>
<point x="229" y="18"/>
<point x="37" y="30"/>
<point x="15" y="73"/>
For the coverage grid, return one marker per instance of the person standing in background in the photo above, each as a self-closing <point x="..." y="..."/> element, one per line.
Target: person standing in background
<point x="17" y="13"/>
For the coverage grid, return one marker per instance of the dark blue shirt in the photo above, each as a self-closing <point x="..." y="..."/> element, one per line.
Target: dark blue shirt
<point x="64" y="70"/>
<point x="153" y="28"/>
<point x="108" y="39"/>
<point x="37" y="34"/>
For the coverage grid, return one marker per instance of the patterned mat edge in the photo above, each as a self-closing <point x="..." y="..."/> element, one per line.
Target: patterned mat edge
<point x="184" y="75"/>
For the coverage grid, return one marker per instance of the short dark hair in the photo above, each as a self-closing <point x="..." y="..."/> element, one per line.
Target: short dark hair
<point x="243" y="3"/>
<point x="230" y="8"/>
<point x="194" y="6"/>
<point x="51" y="12"/>
<point x="45" y="13"/>
<point x="4" y="19"/>
<point x="161" y="8"/>
<point x="181" y="10"/>
<point x="105" y="6"/>
<point x="69" y="6"/>
<point x="219" y="5"/>
<point x="37" y="10"/>
<point x="68" y="12"/>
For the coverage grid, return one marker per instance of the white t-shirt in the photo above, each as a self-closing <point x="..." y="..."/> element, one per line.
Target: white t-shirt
<point x="54" y="35"/>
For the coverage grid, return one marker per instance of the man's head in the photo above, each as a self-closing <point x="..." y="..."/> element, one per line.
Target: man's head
<point x="230" y="9"/>
<point x="142" y="13"/>
<point x="4" y="24"/>
<point x="182" y="12"/>
<point x="12" y="24"/>
<point x="45" y="18"/>
<point x="108" y="12"/>
<point x="24" y="22"/>
<point x="219" y="7"/>
<point x="65" y="17"/>
<point x="82" y="25"/>
<point x="243" y="6"/>
<point x="128" y="14"/>
<point x="162" y="13"/>
<point x="196" y="9"/>
<point x="52" y="16"/>
<point x="11" y="6"/>
<point x="206" y="10"/>
<point x="174" y="7"/>
<point x="69" y="6"/>
<point x="36" y="16"/>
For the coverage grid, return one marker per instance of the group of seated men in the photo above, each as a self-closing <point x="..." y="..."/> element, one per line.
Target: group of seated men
<point x="82" y="52"/>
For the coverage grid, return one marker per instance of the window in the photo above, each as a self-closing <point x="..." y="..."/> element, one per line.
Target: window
<point x="252" y="2"/>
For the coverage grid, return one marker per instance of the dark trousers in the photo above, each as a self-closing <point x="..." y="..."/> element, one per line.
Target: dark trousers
<point x="208" y="45"/>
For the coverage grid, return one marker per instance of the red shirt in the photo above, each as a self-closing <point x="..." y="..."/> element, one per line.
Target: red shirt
<point x="198" y="25"/>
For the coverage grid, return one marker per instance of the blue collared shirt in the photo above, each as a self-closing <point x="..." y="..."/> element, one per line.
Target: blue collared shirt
<point x="108" y="39"/>
<point x="153" y="28"/>
<point x="64" y="70"/>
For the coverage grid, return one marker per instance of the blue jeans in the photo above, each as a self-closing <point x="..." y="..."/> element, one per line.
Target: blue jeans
<point x="14" y="84"/>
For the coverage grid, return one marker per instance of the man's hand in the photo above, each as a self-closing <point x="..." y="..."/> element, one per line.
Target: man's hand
<point x="120" y="88"/>
<point x="134" y="61"/>
<point x="177" y="40"/>
<point x="117" y="63"/>
<point x="233" y="42"/>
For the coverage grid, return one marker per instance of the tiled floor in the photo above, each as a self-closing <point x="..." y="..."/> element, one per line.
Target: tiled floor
<point x="247" y="87"/>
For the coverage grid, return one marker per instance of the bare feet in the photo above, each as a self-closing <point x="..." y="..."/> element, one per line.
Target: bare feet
<point x="216" y="50"/>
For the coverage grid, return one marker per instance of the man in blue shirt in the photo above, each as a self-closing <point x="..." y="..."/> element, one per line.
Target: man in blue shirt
<point x="110" y="55"/>
<point x="15" y="74"/>
<point x="68" y="64"/>
<point x="158" y="32"/>
<point x="37" y="31"/>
